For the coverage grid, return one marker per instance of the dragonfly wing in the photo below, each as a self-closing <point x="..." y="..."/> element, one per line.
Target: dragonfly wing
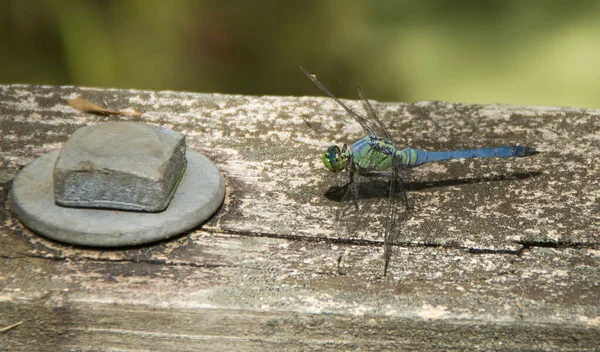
<point x="374" y="122"/>
<point x="397" y="206"/>
<point x="372" y="197"/>
<point x="398" y="201"/>
<point x="358" y="118"/>
<point x="349" y="213"/>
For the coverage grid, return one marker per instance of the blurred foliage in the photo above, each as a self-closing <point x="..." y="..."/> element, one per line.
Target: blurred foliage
<point x="475" y="51"/>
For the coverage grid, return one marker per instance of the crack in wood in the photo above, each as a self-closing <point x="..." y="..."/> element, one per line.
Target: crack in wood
<point x="126" y="261"/>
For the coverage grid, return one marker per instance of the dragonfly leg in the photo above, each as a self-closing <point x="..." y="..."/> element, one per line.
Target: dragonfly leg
<point x="354" y="188"/>
<point x="408" y="203"/>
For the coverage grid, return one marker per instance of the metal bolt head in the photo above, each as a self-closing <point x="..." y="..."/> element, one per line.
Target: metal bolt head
<point x="120" y="165"/>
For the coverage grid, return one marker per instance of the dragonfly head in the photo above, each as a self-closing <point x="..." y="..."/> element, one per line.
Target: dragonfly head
<point x="334" y="158"/>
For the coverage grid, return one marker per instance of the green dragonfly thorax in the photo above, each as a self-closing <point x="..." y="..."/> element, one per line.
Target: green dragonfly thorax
<point x="335" y="159"/>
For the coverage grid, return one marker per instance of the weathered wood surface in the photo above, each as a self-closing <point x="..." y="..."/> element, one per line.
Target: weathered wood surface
<point x="497" y="254"/>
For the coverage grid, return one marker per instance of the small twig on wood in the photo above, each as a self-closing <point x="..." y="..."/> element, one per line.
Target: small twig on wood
<point x="5" y="329"/>
<point x="85" y="105"/>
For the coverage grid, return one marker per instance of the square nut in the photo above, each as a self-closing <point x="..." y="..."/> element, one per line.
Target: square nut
<point x="120" y="165"/>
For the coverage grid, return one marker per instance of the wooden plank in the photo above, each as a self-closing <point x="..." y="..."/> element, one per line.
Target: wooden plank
<point x="507" y="249"/>
<point x="280" y="294"/>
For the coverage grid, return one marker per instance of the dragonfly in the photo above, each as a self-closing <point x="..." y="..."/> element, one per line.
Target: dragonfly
<point x="376" y="152"/>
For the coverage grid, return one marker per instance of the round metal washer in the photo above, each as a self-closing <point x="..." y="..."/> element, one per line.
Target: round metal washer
<point x="199" y="194"/>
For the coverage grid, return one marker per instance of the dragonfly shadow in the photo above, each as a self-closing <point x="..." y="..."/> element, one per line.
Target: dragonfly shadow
<point x="379" y="187"/>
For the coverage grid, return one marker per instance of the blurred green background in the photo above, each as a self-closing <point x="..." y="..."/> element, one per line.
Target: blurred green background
<point x="517" y="52"/>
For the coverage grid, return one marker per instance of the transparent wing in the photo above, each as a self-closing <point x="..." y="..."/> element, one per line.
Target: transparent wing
<point x="351" y="213"/>
<point x="364" y="204"/>
<point x="397" y="206"/>
<point x="373" y="120"/>
<point x="358" y="118"/>
<point x="398" y="200"/>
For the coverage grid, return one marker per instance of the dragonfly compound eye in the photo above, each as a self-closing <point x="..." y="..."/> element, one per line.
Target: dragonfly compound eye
<point x="333" y="159"/>
<point x="325" y="158"/>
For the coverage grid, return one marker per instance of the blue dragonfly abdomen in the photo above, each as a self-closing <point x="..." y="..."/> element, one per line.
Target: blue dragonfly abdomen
<point x="413" y="157"/>
<point x="371" y="153"/>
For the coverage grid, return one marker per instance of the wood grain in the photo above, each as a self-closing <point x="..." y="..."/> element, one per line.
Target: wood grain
<point x="497" y="254"/>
